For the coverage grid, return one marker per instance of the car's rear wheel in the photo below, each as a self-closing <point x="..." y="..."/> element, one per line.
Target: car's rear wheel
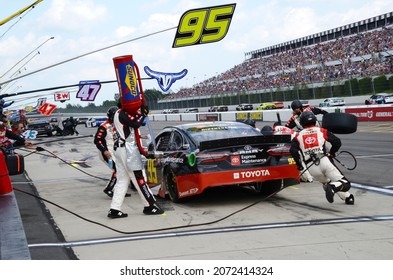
<point x="268" y="187"/>
<point x="171" y="185"/>
<point x="340" y="123"/>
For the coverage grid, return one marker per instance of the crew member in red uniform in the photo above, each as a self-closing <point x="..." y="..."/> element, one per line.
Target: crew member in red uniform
<point x="297" y="108"/>
<point x="103" y="139"/>
<point x="7" y="137"/>
<point x="309" y="146"/>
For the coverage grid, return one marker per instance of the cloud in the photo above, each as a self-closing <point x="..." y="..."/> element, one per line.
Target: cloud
<point x="73" y="15"/>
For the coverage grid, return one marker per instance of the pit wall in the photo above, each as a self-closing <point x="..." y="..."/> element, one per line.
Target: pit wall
<point x="363" y="113"/>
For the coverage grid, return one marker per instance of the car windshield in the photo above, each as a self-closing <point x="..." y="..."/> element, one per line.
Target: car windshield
<point x="212" y="132"/>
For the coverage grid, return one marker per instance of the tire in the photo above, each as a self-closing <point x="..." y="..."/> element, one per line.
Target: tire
<point x="171" y="186"/>
<point x="340" y="123"/>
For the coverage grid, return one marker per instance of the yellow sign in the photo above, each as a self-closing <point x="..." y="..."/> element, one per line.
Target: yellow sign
<point x="256" y="116"/>
<point x="204" y="25"/>
<point x="241" y="116"/>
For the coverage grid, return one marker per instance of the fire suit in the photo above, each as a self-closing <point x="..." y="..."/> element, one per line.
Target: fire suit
<point x="294" y="122"/>
<point x="129" y="163"/>
<point x="278" y="130"/>
<point x="309" y="146"/>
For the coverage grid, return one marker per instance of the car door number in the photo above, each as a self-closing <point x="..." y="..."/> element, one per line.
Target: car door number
<point x="152" y="171"/>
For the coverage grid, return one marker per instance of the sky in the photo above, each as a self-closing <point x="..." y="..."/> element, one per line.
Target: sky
<point x="81" y="27"/>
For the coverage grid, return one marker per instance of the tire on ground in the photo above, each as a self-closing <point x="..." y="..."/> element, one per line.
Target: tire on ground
<point x="340" y="123"/>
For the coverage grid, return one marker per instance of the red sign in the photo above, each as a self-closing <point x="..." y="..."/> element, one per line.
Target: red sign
<point x="46" y="109"/>
<point x="379" y="113"/>
<point x="62" y="96"/>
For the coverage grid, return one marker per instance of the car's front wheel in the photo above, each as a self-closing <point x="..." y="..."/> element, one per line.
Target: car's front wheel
<point x="171" y="185"/>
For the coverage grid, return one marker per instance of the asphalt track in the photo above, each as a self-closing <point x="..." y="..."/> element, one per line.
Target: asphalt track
<point x="221" y="224"/>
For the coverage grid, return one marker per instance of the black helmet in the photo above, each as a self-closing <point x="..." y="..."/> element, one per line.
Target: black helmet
<point x="296" y="104"/>
<point x="308" y="118"/>
<point x="111" y="113"/>
<point x="267" y="130"/>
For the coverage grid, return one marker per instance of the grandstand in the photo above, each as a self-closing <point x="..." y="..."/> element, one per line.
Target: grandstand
<point x="355" y="59"/>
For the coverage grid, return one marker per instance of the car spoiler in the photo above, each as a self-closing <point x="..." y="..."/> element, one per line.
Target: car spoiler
<point x="246" y="140"/>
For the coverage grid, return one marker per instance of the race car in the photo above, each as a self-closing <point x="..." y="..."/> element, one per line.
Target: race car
<point x="270" y="105"/>
<point x="95" y="121"/>
<point x="331" y="102"/>
<point x="197" y="156"/>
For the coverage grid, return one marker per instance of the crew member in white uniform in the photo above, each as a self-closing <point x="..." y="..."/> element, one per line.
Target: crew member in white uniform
<point x="309" y="145"/>
<point x="129" y="164"/>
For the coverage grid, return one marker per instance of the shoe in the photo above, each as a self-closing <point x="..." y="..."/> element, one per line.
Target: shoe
<point x="108" y="192"/>
<point x="153" y="210"/>
<point x="350" y="200"/>
<point x="114" y="214"/>
<point x="128" y="194"/>
<point x="329" y="192"/>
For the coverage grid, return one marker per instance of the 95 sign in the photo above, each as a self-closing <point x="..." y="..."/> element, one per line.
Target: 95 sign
<point x="204" y="25"/>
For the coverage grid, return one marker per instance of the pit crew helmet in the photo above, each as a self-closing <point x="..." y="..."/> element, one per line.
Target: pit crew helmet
<point x="111" y="113"/>
<point x="307" y="118"/>
<point x="296" y="104"/>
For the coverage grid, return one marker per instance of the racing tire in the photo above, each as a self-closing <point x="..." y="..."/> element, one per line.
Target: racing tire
<point x="340" y="123"/>
<point x="171" y="186"/>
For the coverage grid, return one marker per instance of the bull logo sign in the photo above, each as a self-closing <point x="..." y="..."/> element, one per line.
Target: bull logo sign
<point x="165" y="80"/>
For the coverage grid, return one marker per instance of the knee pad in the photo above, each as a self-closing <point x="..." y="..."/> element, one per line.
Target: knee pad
<point x="342" y="185"/>
<point x="345" y="185"/>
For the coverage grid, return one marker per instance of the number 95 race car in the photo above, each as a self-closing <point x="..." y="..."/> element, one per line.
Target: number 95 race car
<point x="202" y="155"/>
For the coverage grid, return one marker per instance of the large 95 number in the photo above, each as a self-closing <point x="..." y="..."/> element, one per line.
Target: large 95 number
<point x="205" y="25"/>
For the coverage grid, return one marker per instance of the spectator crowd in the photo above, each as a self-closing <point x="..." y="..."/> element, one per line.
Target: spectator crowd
<point x="364" y="54"/>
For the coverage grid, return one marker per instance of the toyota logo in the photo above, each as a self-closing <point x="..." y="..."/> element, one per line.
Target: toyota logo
<point x="310" y="140"/>
<point x="247" y="148"/>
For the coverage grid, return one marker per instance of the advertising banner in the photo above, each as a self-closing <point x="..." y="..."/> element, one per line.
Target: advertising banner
<point x="380" y="113"/>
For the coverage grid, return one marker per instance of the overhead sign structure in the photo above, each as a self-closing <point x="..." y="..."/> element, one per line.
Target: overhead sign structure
<point x="203" y="25"/>
<point x="62" y="96"/>
<point x="40" y="101"/>
<point x="88" y="90"/>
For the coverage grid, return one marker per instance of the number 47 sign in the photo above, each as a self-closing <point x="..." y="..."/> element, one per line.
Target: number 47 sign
<point x="88" y="90"/>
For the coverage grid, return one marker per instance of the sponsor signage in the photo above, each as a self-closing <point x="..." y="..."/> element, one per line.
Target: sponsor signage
<point x="62" y="96"/>
<point x="372" y="113"/>
<point x="247" y="159"/>
<point x="208" y="117"/>
<point x="255" y="116"/>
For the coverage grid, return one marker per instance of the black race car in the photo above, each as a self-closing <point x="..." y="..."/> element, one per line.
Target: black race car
<point x="42" y="126"/>
<point x="201" y="155"/>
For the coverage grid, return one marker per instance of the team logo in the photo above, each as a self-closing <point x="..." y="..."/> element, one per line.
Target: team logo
<point x="235" y="160"/>
<point x="310" y="140"/>
<point x="165" y="80"/>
